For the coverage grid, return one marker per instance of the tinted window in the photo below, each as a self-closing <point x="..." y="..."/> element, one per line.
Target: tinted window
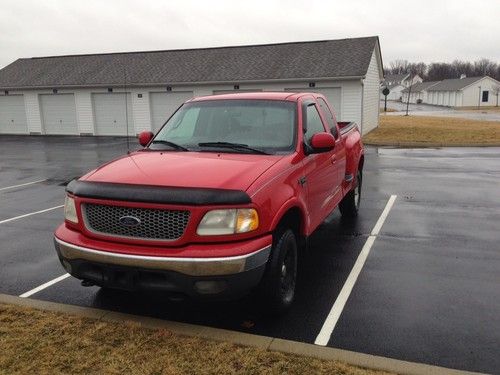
<point x="328" y="115"/>
<point x="268" y="125"/>
<point x="326" y="112"/>
<point x="485" y="96"/>
<point x="314" y="124"/>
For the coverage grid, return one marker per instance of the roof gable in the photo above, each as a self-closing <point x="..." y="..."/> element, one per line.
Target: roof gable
<point x="301" y="60"/>
<point x="454" y="84"/>
<point x="421" y="86"/>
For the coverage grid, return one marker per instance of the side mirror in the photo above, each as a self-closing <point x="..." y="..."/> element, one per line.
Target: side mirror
<point x="322" y="142"/>
<point x="145" y="137"/>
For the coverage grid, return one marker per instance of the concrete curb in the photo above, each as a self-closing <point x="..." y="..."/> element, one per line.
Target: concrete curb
<point x="425" y="145"/>
<point x="246" y="339"/>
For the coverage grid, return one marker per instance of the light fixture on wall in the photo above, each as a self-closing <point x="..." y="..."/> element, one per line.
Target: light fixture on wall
<point x="110" y="89"/>
<point x="139" y="95"/>
<point x="169" y="88"/>
<point x="236" y="87"/>
<point x="54" y="91"/>
<point x="312" y="84"/>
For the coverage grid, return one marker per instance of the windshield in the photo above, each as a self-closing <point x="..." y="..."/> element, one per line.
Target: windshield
<point x="265" y="126"/>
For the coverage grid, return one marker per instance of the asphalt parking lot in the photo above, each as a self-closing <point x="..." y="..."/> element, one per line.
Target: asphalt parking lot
<point x="428" y="292"/>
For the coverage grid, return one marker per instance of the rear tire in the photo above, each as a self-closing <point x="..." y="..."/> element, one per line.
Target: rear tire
<point x="349" y="206"/>
<point x="277" y="288"/>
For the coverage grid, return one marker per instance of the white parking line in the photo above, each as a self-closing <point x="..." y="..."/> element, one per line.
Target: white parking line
<point x="30" y="214"/>
<point x="43" y="286"/>
<point x="26" y="184"/>
<point x="334" y="315"/>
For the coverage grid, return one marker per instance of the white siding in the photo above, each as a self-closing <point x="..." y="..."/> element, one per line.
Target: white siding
<point x="471" y="96"/>
<point x="84" y="114"/>
<point x="352" y="101"/>
<point x="349" y="106"/>
<point x="371" y="95"/>
<point x="33" y="112"/>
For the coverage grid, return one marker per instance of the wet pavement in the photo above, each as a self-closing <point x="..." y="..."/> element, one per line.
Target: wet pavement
<point x="428" y="292"/>
<point x="485" y="114"/>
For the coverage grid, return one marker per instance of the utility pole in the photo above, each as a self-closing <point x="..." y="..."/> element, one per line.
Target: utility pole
<point x="409" y="94"/>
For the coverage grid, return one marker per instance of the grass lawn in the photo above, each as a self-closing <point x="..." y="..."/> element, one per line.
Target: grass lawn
<point x="433" y="131"/>
<point x="39" y="342"/>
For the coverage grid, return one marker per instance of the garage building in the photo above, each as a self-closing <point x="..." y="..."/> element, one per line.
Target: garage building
<point x="126" y="93"/>
<point x="464" y="92"/>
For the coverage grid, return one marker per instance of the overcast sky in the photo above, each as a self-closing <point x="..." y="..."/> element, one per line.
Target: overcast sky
<point x="428" y="30"/>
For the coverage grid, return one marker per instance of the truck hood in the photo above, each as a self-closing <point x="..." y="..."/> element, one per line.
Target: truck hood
<point x="185" y="169"/>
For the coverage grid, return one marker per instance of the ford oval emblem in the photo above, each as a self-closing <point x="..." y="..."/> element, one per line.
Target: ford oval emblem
<point x="129" y="221"/>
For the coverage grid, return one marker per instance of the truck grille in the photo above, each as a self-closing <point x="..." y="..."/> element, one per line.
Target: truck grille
<point x="146" y="223"/>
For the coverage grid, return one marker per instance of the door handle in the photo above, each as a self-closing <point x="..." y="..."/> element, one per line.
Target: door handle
<point x="333" y="159"/>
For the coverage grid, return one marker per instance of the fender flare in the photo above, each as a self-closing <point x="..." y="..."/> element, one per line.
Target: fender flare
<point x="292" y="203"/>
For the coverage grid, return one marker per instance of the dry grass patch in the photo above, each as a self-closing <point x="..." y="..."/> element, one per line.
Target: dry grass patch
<point x="388" y="110"/>
<point x="441" y="131"/>
<point x="34" y="341"/>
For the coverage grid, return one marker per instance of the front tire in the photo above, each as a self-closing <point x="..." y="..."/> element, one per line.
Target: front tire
<point x="277" y="288"/>
<point x="349" y="206"/>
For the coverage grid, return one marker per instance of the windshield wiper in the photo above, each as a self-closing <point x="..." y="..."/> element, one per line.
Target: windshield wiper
<point x="171" y="144"/>
<point x="234" y="146"/>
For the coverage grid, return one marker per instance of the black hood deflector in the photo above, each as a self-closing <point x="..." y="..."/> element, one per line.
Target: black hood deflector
<point x="157" y="194"/>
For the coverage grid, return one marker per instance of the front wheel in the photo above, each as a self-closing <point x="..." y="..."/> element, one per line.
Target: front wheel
<point x="277" y="288"/>
<point x="349" y="206"/>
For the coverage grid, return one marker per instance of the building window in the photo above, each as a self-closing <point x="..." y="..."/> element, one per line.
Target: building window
<point x="485" y="96"/>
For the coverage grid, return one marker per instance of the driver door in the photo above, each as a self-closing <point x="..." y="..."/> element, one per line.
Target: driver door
<point x="320" y="173"/>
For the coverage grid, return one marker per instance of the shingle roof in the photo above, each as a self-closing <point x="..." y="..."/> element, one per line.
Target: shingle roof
<point x="454" y="84"/>
<point x="395" y="77"/>
<point x="299" y="60"/>
<point x="421" y="86"/>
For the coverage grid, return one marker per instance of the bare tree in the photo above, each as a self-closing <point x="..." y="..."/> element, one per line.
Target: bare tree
<point x="484" y="67"/>
<point x="398" y="66"/>
<point x="462" y="67"/>
<point x="439" y="71"/>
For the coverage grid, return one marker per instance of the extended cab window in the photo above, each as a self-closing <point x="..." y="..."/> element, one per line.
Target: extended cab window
<point x="328" y="115"/>
<point x="313" y="122"/>
<point x="265" y="125"/>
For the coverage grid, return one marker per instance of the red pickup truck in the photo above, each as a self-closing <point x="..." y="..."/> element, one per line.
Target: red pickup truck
<point x="218" y="203"/>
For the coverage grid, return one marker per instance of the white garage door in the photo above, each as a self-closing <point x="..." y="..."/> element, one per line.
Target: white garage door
<point x="13" y="115"/>
<point x="164" y="104"/>
<point x="220" y="92"/>
<point x="332" y="94"/>
<point x="58" y="113"/>
<point x="112" y="112"/>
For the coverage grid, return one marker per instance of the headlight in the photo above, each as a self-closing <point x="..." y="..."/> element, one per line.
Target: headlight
<point x="70" y="210"/>
<point x="218" y="222"/>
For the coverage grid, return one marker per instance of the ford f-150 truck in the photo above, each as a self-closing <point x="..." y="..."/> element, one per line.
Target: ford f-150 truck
<point x="218" y="203"/>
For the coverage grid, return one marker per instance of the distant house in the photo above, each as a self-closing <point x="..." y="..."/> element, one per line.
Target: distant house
<point x="463" y="92"/>
<point x="418" y="92"/>
<point x="396" y="83"/>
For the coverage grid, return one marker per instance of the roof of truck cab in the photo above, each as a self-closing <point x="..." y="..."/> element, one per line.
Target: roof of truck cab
<point x="288" y="96"/>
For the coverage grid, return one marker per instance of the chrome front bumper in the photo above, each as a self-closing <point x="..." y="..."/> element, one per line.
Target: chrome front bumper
<point x="187" y="266"/>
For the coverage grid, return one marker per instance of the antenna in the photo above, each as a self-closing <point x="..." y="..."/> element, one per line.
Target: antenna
<point x="126" y="105"/>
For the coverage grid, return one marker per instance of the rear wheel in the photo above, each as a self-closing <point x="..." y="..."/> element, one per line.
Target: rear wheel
<point x="277" y="288"/>
<point x="349" y="206"/>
